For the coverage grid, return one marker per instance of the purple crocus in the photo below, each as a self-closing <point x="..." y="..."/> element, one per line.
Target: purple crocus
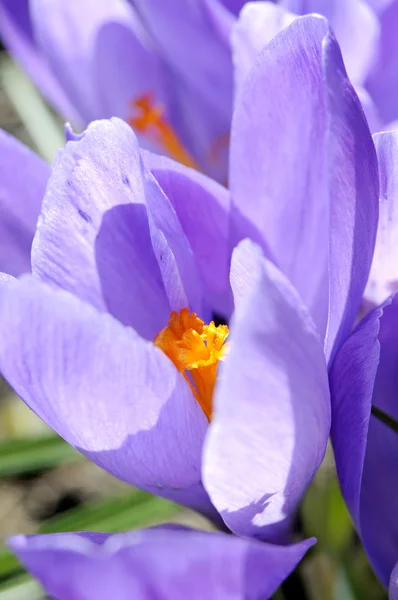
<point x="95" y="59"/>
<point x="364" y="382"/>
<point x="132" y="256"/>
<point x="168" y="68"/>
<point x="167" y="563"/>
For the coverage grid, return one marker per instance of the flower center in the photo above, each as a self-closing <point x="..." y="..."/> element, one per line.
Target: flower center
<point x="195" y="349"/>
<point x="150" y="121"/>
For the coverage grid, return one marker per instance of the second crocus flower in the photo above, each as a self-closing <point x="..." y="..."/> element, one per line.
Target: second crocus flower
<point x="96" y="59"/>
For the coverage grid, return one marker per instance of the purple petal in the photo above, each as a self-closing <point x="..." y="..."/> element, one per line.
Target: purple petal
<point x="383" y="79"/>
<point x="271" y="415"/>
<point x="351" y="386"/>
<point x="127" y="68"/>
<point x="179" y="30"/>
<point x="320" y="209"/>
<point x="378" y="506"/>
<point x="366" y="450"/>
<point x="202" y="207"/>
<point x="234" y="6"/>
<point x="354" y="193"/>
<point x="383" y="278"/>
<point x="68" y="34"/>
<point x="220" y="18"/>
<point x="370" y="109"/>
<point x="194" y="43"/>
<point x="106" y="391"/>
<point x="173" y="564"/>
<point x="278" y="195"/>
<point x="258" y="23"/>
<point x="356" y="27"/>
<point x="23" y="180"/>
<point x="108" y="234"/>
<point x="18" y="36"/>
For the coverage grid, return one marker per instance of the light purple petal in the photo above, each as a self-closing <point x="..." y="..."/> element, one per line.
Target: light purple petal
<point x="315" y="213"/>
<point x="202" y="207"/>
<point x="23" y="180"/>
<point x="271" y="415"/>
<point x="356" y="27"/>
<point x="378" y="507"/>
<point x="106" y="391"/>
<point x="18" y="36"/>
<point x="108" y="233"/>
<point x="126" y="68"/>
<point x="258" y="23"/>
<point x="354" y="193"/>
<point x="67" y="34"/>
<point x="383" y="277"/>
<point x="172" y="564"/>
<point x="379" y="5"/>
<point x="382" y="82"/>
<point x="279" y="195"/>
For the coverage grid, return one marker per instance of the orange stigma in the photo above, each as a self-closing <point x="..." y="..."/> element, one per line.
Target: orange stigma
<point x="195" y="349"/>
<point x="150" y="121"/>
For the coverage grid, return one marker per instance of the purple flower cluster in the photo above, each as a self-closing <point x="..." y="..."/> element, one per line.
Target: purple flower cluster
<point x="116" y="261"/>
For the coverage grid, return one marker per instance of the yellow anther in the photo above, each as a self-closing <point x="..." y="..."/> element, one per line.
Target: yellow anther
<point x="195" y="349"/>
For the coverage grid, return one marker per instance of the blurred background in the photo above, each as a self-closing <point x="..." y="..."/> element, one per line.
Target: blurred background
<point x="46" y="486"/>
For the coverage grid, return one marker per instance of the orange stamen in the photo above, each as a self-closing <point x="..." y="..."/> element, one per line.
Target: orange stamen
<point x="218" y="147"/>
<point x="195" y="348"/>
<point x="149" y="120"/>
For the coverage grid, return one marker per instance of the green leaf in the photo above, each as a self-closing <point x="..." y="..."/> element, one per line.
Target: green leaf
<point x="24" y="455"/>
<point x="21" y="588"/>
<point x="342" y="587"/>
<point x="8" y="563"/>
<point x="43" y="127"/>
<point x="128" y="511"/>
<point x="325" y="515"/>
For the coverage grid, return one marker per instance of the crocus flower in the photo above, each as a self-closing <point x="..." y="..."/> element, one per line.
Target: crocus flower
<point x="167" y="563"/>
<point x="167" y="66"/>
<point x="111" y="340"/>
<point x="363" y="382"/>
<point x="94" y="59"/>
